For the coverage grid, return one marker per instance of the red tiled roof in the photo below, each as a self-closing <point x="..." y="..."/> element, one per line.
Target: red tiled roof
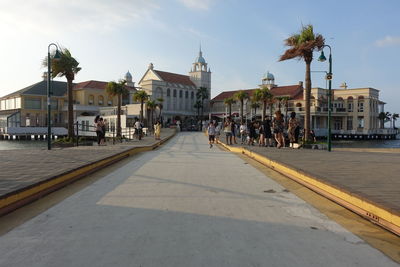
<point x="174" y="78"/>
<point x="94" y="85"/>
<point x="294" y="91"/>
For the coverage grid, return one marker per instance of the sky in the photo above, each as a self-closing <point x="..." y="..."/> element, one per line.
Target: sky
<point x="241" y="40"/>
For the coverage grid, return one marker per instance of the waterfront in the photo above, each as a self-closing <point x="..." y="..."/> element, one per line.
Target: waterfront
<point x="367" y="143"/>
<point x="12" y="145"/>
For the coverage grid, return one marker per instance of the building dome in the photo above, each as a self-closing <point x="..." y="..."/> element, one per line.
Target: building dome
<point x="268" y="76"/>
<point x="128" y="76"/>
<point x="200" y="59"/>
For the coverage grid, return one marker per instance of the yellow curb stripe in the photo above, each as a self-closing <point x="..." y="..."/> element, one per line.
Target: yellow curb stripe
<point x="377" y="214"/>
<point x="76" y="173"/>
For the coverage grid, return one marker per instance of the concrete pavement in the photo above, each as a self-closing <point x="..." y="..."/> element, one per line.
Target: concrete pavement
<point x="185" y="205"/>
<point x="365" y="182"/>
<point x="27" y="175"/>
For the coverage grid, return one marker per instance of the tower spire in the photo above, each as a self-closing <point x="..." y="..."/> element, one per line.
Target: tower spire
<point x="200" y="52"/>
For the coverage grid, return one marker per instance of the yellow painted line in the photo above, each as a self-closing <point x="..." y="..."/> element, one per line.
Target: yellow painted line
<point x="76" y="173"/>
<point x="377" y="214"/>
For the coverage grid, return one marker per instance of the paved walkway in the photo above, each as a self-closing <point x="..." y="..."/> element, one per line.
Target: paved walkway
<point x="185" y="205"/>
<point x="374" y="177"/>
<point x="23" y="168"/>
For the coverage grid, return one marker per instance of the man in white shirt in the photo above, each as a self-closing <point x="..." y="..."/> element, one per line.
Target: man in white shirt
<point x="138" y="129"/>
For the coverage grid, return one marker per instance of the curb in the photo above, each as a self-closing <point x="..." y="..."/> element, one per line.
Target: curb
<point x="26" y="195"/>
<point x="362" y="207"/>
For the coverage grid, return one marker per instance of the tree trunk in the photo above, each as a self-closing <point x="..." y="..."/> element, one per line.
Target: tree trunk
<point x="271" y="107"/>
<point x="286" y="111"/>
<point x="307" y="100"/>
<point x="141" y="111"/>
<point x="70" y="109"/>
<point x="119" y="116"/>
<point x="264" y="110"/>
<point x="230" y="110"/>
<point x="241" y="110"/>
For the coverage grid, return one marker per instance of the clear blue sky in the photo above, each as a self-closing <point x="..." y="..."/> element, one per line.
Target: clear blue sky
<point x="241" y="40"/>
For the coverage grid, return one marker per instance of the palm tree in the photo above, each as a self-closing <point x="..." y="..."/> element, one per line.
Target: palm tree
<point x="198" y="106"/>
<point x="285" y="101"/>
<point x="271" y="102"/>
<point x="241" y="96"/>
<point x="265" y="96"/>
<point x="66" y="66"/>
<point x="160" y="106"/>
<point x="255" y="106"/>
<point x="117" y="89"/>
<point x="388" y="117"/>
<point x="151" y="106"/>
<point x="202" y="94"/>
<point x="255" y="99"/>
<point x="229" y="101"/>
<point x="301" y="46"/>
<point x="382" y="117"/>
<point x="142" y="97"/>
<point x="395" y="116"/>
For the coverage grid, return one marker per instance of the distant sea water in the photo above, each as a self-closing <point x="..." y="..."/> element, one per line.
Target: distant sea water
<point x="367" y="144"/>
<point x="12" y="145"/>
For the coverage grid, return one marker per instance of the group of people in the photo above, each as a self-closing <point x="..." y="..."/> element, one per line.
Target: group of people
<point x="269" y="132"/>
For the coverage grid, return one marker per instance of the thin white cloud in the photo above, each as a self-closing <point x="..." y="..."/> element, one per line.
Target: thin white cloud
<point x="388" y="41"/>
<point x="197" y="4"/>
<point x="48" y="17"/>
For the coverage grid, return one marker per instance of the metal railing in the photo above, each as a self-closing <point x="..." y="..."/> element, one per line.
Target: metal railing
<point x="127" y="133"/>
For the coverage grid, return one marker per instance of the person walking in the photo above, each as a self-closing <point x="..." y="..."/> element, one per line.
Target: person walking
<point x="228" y="131"/>
<point x="261" y="138"/>
<point x="98" y="129"/>
<point x="243" y="132"/>
<point x="293" y="129"/>
<point x="252" y="132"/>
<point x="101" y="127"/>
<point x="267" y="131"/>
<point x="211" y="134"/>
<point x="234" y="131"/>
<point x="157" y="130"/>
<point x="138" y="129"/>
<point x="217" y="132"/>
<point x="278" y="126"/>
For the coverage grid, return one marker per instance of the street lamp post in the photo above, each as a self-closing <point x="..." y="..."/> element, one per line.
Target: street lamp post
<point x="49" y="91"/>
<point x="322" y="58"/>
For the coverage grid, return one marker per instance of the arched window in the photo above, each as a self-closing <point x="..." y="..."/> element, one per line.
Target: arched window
<point x="186" y="94"/>
<point x="180" y="94"/>
<point x="298" y="105"/>
<point x="158" y="93"/>
<point x="192" y="95"/>
<point x="174" y="94"/>
<point x="168" y="92"/>
<point x="109" y="102"/>
<point x="101" y="100"/>
<point x="91" y="99"/>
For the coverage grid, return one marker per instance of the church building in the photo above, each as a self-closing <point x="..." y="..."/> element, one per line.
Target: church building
<point x="178" y="91"/>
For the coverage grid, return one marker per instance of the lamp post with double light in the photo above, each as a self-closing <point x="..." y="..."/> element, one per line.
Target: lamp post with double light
<point x="328" y="76"/>
<point x="56" y="56"/>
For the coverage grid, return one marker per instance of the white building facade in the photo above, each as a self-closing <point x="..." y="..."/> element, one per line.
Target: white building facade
<point x="178" y="91"/>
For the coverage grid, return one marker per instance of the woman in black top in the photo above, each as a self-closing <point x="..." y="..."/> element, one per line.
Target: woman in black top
<point x="267" y="131"/>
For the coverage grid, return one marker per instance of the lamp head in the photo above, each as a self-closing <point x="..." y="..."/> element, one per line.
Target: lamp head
<point x="57" y="55"/>
<point x="322" y="57"/>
